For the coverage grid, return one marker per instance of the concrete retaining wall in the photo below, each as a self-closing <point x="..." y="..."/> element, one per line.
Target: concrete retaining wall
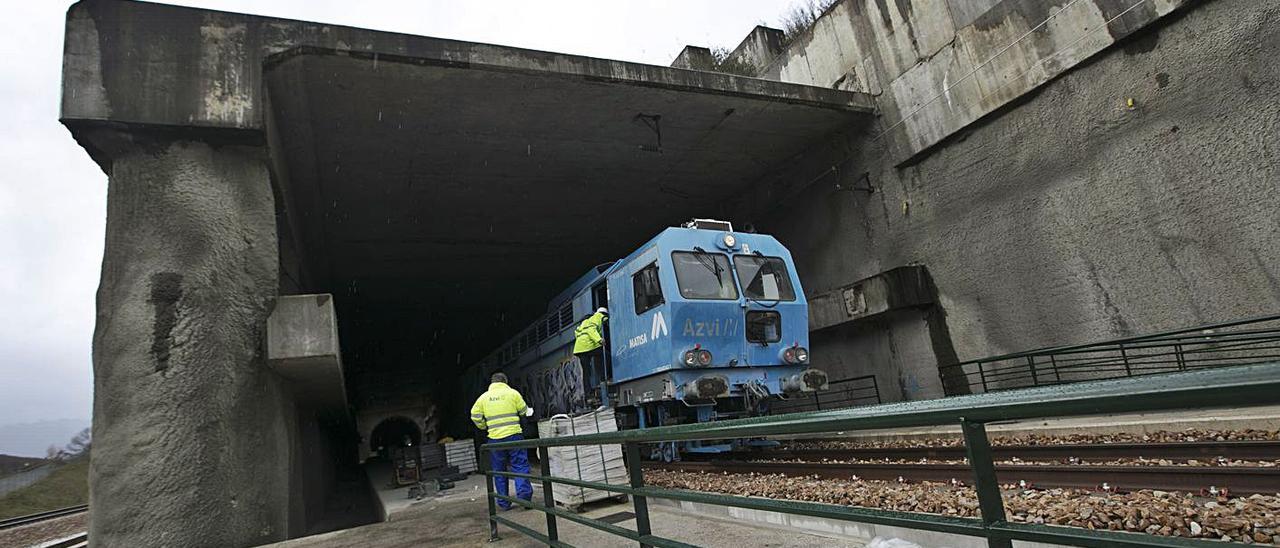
<point x="937" y="67"/>
<point x="13" y="482"/>
<point x="1136" y="192"/>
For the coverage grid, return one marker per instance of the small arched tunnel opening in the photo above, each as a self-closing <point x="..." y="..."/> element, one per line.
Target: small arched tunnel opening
<point x="393" y="433"/>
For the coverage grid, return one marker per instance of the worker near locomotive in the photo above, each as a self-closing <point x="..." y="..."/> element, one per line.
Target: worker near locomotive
<point x="588" y="347"/>
<point x="498" y="411"/>
<point x="708" y="324"/>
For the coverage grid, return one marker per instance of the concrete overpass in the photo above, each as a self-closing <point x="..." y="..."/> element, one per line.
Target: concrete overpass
<point x="1034" y="175"/>
<point x="440" y="191"/>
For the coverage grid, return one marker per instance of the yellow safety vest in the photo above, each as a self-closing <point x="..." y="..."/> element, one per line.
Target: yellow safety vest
<point x="589" y="335"/>
<point x="498" y="410"/>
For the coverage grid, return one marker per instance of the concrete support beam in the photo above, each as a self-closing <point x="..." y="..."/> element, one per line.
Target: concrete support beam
<point x="187" y="416"/>
<point x="902" y="287"/>
<point x="302" y="346"/>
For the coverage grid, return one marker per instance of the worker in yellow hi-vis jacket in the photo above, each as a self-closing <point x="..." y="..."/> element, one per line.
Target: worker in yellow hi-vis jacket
<point x="498" y="410"/>
<point x="588" y="346"/>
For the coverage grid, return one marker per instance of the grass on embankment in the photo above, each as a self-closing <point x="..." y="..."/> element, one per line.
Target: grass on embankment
<point x="66" y="486"/>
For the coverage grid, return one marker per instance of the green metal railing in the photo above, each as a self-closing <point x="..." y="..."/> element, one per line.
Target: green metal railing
<point x="1237" y="386"/>
<point x="1240" y="342"/>
<point x="840" y="393"/>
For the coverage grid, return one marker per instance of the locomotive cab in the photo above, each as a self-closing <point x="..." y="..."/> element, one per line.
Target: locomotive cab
<point x="699" y="314"/>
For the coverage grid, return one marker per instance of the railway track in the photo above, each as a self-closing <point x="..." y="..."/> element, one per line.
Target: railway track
<point x="1038" y="468"/>
<point x="79" y="540"/>
<point x="42" y="516"/>
<point x="1238" y="480"/>
<point x="1240" y="450"/>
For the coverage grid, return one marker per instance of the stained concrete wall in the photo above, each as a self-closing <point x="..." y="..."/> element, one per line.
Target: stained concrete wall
<point x="1068" y="215"/>
<point x="936" y="67"/>
<point x="187" y="416"/>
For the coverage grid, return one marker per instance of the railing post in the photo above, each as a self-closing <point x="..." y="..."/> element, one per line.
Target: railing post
<point x="483" y="463"/>
<point x="1031" y="362"/>
<point x="982" y="374"/>
<point x="978" y="448"/>
<point x="1124" y="356"/>
<point x="548" y="497"/>
<point x="637" y="482"/>
<point x="1182" y="362"/>
<point x="1054" y="363"/>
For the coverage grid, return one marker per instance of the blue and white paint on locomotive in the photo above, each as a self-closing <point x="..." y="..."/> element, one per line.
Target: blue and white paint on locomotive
<point x="650" y="341"/>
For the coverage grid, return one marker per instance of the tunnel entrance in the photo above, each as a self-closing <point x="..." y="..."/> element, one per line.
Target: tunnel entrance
<point x="394" y="433"/>
<point x="443" y="204"/>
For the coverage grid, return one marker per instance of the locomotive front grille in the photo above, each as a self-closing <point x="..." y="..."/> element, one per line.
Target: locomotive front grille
<point x="764" y="326"/>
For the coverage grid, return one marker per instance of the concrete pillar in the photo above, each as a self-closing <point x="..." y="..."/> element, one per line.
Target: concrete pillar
<point x="191" y="429"/>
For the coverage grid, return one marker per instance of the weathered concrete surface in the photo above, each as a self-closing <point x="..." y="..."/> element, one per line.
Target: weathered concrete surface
<point x="1071" y="216"/>
<point x="758" y="49"/>
<point x="203" y="68"/>
<point x="936" y="67"/>
<point x="192" y="431"/>
<point x="393" y="179"/>
<point x="302" y="347"/>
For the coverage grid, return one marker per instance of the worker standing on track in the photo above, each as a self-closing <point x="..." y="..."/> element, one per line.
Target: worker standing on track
<point x="498" y="410"/>
<point x="588" y="346"/>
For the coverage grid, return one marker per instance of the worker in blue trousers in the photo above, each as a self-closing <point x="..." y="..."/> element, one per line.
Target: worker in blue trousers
<point x="498" y="411"/>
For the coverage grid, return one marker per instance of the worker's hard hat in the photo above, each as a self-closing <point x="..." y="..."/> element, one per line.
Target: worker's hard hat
<point x="602" y="310"/>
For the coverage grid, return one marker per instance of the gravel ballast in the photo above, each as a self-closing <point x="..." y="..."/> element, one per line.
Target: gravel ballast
<point x="1254" y="519"/>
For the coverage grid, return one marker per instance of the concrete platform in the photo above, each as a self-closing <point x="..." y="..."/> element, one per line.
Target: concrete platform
<point x="388" y="499"/>
<point x="458" y="518"/>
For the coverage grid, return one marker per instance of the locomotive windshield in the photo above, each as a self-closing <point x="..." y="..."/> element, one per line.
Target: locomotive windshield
<point x="703" y="275"/>
<point x="764" y="278"/>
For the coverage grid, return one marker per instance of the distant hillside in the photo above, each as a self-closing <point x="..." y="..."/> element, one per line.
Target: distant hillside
<point x="66" y="486"/>
<point x="31" y="439"/>
<point x="10" y="464"/>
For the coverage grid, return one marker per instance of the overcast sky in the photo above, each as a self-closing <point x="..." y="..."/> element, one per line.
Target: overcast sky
<point x="53" y="198"/>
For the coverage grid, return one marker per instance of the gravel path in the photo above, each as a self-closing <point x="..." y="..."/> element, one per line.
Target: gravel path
<point x="36" y="533"/>
<point x="1254" y="519"/>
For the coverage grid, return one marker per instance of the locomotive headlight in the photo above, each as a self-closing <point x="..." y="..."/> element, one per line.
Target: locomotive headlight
<point x="730" y="241"/>
<point x="795" y="354"/>
<point x="704" y="358"/>
<point x="690" y="358"/>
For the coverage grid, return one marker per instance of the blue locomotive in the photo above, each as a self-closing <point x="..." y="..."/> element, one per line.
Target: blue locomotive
<point x="705" y="323"/>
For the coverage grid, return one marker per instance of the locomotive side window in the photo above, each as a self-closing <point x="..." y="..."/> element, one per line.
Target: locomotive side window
<point x="704" y="275"/>
<point x="764" y="278"/>
<point x="648" y="291"/>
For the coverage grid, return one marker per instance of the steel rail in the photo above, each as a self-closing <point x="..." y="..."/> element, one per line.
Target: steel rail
<point x="78" y="540"/>
<point x="1239" y="480"/>
<point x="28" y="519"/>
<point x="1235" y="450"/>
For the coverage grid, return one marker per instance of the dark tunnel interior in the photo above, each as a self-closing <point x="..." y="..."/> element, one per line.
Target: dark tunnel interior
<point x="394" y="432"/>
<point x="443" y="225"/>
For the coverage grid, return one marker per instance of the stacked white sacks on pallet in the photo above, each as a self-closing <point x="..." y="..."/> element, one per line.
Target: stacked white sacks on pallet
<point x="462" y="454"/>
<point x="598" y="463"/>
